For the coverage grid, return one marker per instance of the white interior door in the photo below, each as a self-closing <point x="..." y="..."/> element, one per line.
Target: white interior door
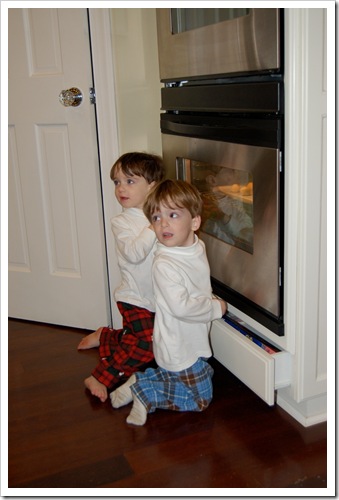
<point x="57" y="257"/>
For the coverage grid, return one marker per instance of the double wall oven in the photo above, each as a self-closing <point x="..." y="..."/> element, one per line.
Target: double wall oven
<point x="222" y="125"/>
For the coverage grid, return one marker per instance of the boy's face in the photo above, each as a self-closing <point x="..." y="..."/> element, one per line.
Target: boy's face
<point x="174" y="227"/>
<point x="130" y="191"/>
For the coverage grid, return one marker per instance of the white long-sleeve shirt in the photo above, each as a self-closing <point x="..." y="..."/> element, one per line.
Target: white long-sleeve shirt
<point x="184" y="305"/>
<point x="135" y="244"/>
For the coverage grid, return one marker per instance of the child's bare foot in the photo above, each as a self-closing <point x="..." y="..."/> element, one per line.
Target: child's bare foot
<point x="91" y="340"/>
<point x="97" y="388"/>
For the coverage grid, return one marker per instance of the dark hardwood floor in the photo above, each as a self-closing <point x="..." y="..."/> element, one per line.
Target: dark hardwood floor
<point x="62" y="437"/>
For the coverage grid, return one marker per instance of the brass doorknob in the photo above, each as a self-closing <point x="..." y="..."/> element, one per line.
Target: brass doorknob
<point x="70" y="97"/>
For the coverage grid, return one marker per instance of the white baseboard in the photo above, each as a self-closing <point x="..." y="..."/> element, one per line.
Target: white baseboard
<point x="307" y="413"/>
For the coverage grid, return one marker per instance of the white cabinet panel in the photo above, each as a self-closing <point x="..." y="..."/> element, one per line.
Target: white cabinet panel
<point x="260" y="371"/>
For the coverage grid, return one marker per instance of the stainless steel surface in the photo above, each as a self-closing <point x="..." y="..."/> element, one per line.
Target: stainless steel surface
<point x="71" y="97"/>
<point x="245" y="44"/>
<point x="254" y="275"/>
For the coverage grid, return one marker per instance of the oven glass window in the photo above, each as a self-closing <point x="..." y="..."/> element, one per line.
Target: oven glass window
<point x="189" y="19"/>
<point x="228" y="202"/>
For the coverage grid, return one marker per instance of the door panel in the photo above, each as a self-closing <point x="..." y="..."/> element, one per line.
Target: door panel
<point x="57" y="257"/>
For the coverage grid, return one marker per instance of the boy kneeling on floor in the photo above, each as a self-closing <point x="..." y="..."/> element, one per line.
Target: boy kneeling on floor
<point x="184" y="308"/>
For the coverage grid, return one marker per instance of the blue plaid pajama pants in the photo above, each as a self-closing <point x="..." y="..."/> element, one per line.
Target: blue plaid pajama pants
<point x="187" y="390"/>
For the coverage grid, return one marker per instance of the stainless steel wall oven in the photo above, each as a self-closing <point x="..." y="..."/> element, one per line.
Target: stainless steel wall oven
<point x="222" y="130"/>
<point x="198" y="43"/>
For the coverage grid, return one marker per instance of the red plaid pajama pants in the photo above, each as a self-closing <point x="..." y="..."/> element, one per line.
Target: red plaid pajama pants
<point x="124" y="351"/>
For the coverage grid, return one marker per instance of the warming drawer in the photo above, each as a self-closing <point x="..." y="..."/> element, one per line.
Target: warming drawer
<point x="261" y="371"/>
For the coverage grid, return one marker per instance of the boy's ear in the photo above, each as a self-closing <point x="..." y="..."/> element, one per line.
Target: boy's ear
<point x="196" y="221"/>
<point x="150" y="185"/>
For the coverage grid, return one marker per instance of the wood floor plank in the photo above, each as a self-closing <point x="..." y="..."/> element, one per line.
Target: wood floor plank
<point x="86" y="476"/>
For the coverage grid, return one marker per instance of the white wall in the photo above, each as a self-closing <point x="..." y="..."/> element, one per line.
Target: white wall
<point x="125" y="64"/>
<point x="135" y="50"/>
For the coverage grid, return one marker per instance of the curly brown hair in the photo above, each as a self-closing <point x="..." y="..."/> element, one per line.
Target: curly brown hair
<point x="173" y="192"/>
<point x="144" y="165"/>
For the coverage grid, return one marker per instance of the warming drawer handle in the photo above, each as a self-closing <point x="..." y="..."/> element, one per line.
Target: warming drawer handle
<point x="179" y="128"/>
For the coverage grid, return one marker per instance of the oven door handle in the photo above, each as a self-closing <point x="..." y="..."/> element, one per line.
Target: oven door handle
<point x="251" y="131"/>
<point x="169" y="126"/>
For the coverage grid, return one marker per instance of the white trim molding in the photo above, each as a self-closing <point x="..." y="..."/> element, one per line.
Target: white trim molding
<point x="103" y="70"/>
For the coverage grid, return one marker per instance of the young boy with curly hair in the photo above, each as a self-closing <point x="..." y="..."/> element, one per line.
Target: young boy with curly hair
<point x="126" y="350"/>
<point x="184" y="307"/>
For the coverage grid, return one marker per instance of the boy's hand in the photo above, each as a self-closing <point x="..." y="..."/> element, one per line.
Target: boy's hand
<point x="223" y="305"/>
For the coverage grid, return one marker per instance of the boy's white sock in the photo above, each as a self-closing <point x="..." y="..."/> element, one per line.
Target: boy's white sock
<point x="138" y="415"/>
<point x="123" y="394"/>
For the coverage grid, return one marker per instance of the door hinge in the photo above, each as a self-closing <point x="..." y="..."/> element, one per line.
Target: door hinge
<point x="92" y="96"/>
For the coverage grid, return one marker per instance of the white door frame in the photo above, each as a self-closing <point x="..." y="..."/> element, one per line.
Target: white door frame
<point x="103" y="70"/>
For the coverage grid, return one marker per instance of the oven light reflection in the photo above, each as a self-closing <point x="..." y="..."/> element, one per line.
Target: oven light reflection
<point x="228" y="202"/>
